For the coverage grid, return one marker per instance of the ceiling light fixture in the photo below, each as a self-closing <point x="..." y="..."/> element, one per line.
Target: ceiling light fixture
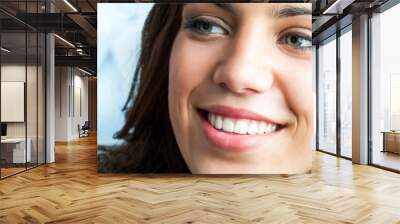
<point x="5" y="50"/>
<point x="79" y="51"/>
<point x="70" y="5"/>
<point x="65" y="41"/>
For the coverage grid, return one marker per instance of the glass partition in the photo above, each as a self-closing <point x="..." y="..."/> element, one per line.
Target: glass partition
<point x="14" y="153"/>
<point x="22" y="77"/>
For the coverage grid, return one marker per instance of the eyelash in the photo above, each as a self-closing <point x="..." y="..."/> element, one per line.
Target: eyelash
<point x="304" y="37"/>
<point x="194" y="24"/>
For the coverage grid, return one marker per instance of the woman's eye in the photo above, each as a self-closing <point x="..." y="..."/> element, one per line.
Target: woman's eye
<point x="205" y="27"/>
<point x="297" y="41"/>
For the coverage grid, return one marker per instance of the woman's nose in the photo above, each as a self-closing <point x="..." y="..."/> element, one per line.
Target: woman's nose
<point x="246" y="67"/>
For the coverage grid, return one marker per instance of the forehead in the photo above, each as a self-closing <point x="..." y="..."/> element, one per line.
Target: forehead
<point x="272" y="9"/>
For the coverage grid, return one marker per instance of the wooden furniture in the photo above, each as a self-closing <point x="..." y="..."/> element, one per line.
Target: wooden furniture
<point x="391" y="141"/>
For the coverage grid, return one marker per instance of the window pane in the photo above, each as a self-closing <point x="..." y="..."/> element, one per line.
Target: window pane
<point x="346" y="94"/>
<point x="31" y="100"/>
<point x="386" y="89"/>
<point x="314" y="80"/>
<point x="327" y="97"/>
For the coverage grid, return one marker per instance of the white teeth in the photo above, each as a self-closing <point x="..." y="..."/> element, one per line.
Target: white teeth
<point x="273" y="127"/>
<point x="253" y="128"/>
<point x="228" y="125"/>
<point x="261" y="127"/>
<point x="269" y="128"/>
<point x="212" y="118"/>
<point x="218" y="122"/>
<point x="240" y="126"/>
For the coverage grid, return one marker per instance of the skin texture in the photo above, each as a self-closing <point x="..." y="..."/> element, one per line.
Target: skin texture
<point x="243" y="64"/>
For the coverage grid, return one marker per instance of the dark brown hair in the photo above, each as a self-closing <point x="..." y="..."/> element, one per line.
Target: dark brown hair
<point x="150" y="145"/>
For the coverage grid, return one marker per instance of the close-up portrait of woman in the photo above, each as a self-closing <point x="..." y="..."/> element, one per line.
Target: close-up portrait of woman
<point x="219" y="88"/>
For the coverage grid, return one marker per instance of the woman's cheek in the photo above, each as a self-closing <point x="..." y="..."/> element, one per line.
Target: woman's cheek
<point x="191" y="65"/>
<point x="179" y="83"/>
<point x="296" y="82"/>
<point x="178" y="88"/>
<point x="188" y="61"/>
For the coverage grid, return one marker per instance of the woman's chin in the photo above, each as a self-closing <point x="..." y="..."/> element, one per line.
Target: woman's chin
<point x="219" y="165"/>
<point x="254" y="172"/>
<point x="249" y="169"/>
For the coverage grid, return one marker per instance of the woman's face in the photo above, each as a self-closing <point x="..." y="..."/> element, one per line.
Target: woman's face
<point x="240" y="88"/>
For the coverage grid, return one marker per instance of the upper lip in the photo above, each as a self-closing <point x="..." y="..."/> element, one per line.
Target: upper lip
<point x="237" y="113"/>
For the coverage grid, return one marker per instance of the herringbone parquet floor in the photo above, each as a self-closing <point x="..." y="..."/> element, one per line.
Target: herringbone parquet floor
<point x="70" y="191"/>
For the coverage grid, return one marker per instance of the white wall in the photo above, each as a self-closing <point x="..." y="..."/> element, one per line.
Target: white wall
<point x="80" y="89"/>
<point x="71" y="94"/>
<point x="61" y="103"/>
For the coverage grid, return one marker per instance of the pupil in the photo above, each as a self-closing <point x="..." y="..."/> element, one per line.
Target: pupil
<point x="293" y="39"/>
<point x="205" y="26"/>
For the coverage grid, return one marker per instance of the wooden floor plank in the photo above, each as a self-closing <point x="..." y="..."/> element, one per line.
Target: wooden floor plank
<point x="71" y="191"/>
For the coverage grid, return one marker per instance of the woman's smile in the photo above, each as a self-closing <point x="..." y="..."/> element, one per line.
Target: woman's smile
<point x="235" y="129"/>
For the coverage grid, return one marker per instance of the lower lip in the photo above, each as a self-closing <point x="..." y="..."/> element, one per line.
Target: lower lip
<point x="232" y="142"/>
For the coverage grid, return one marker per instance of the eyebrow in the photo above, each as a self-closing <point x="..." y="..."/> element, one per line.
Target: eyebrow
<point x="290" y="11"/>
<point x="226" y="6"/>
<point x="285" y="11"/>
